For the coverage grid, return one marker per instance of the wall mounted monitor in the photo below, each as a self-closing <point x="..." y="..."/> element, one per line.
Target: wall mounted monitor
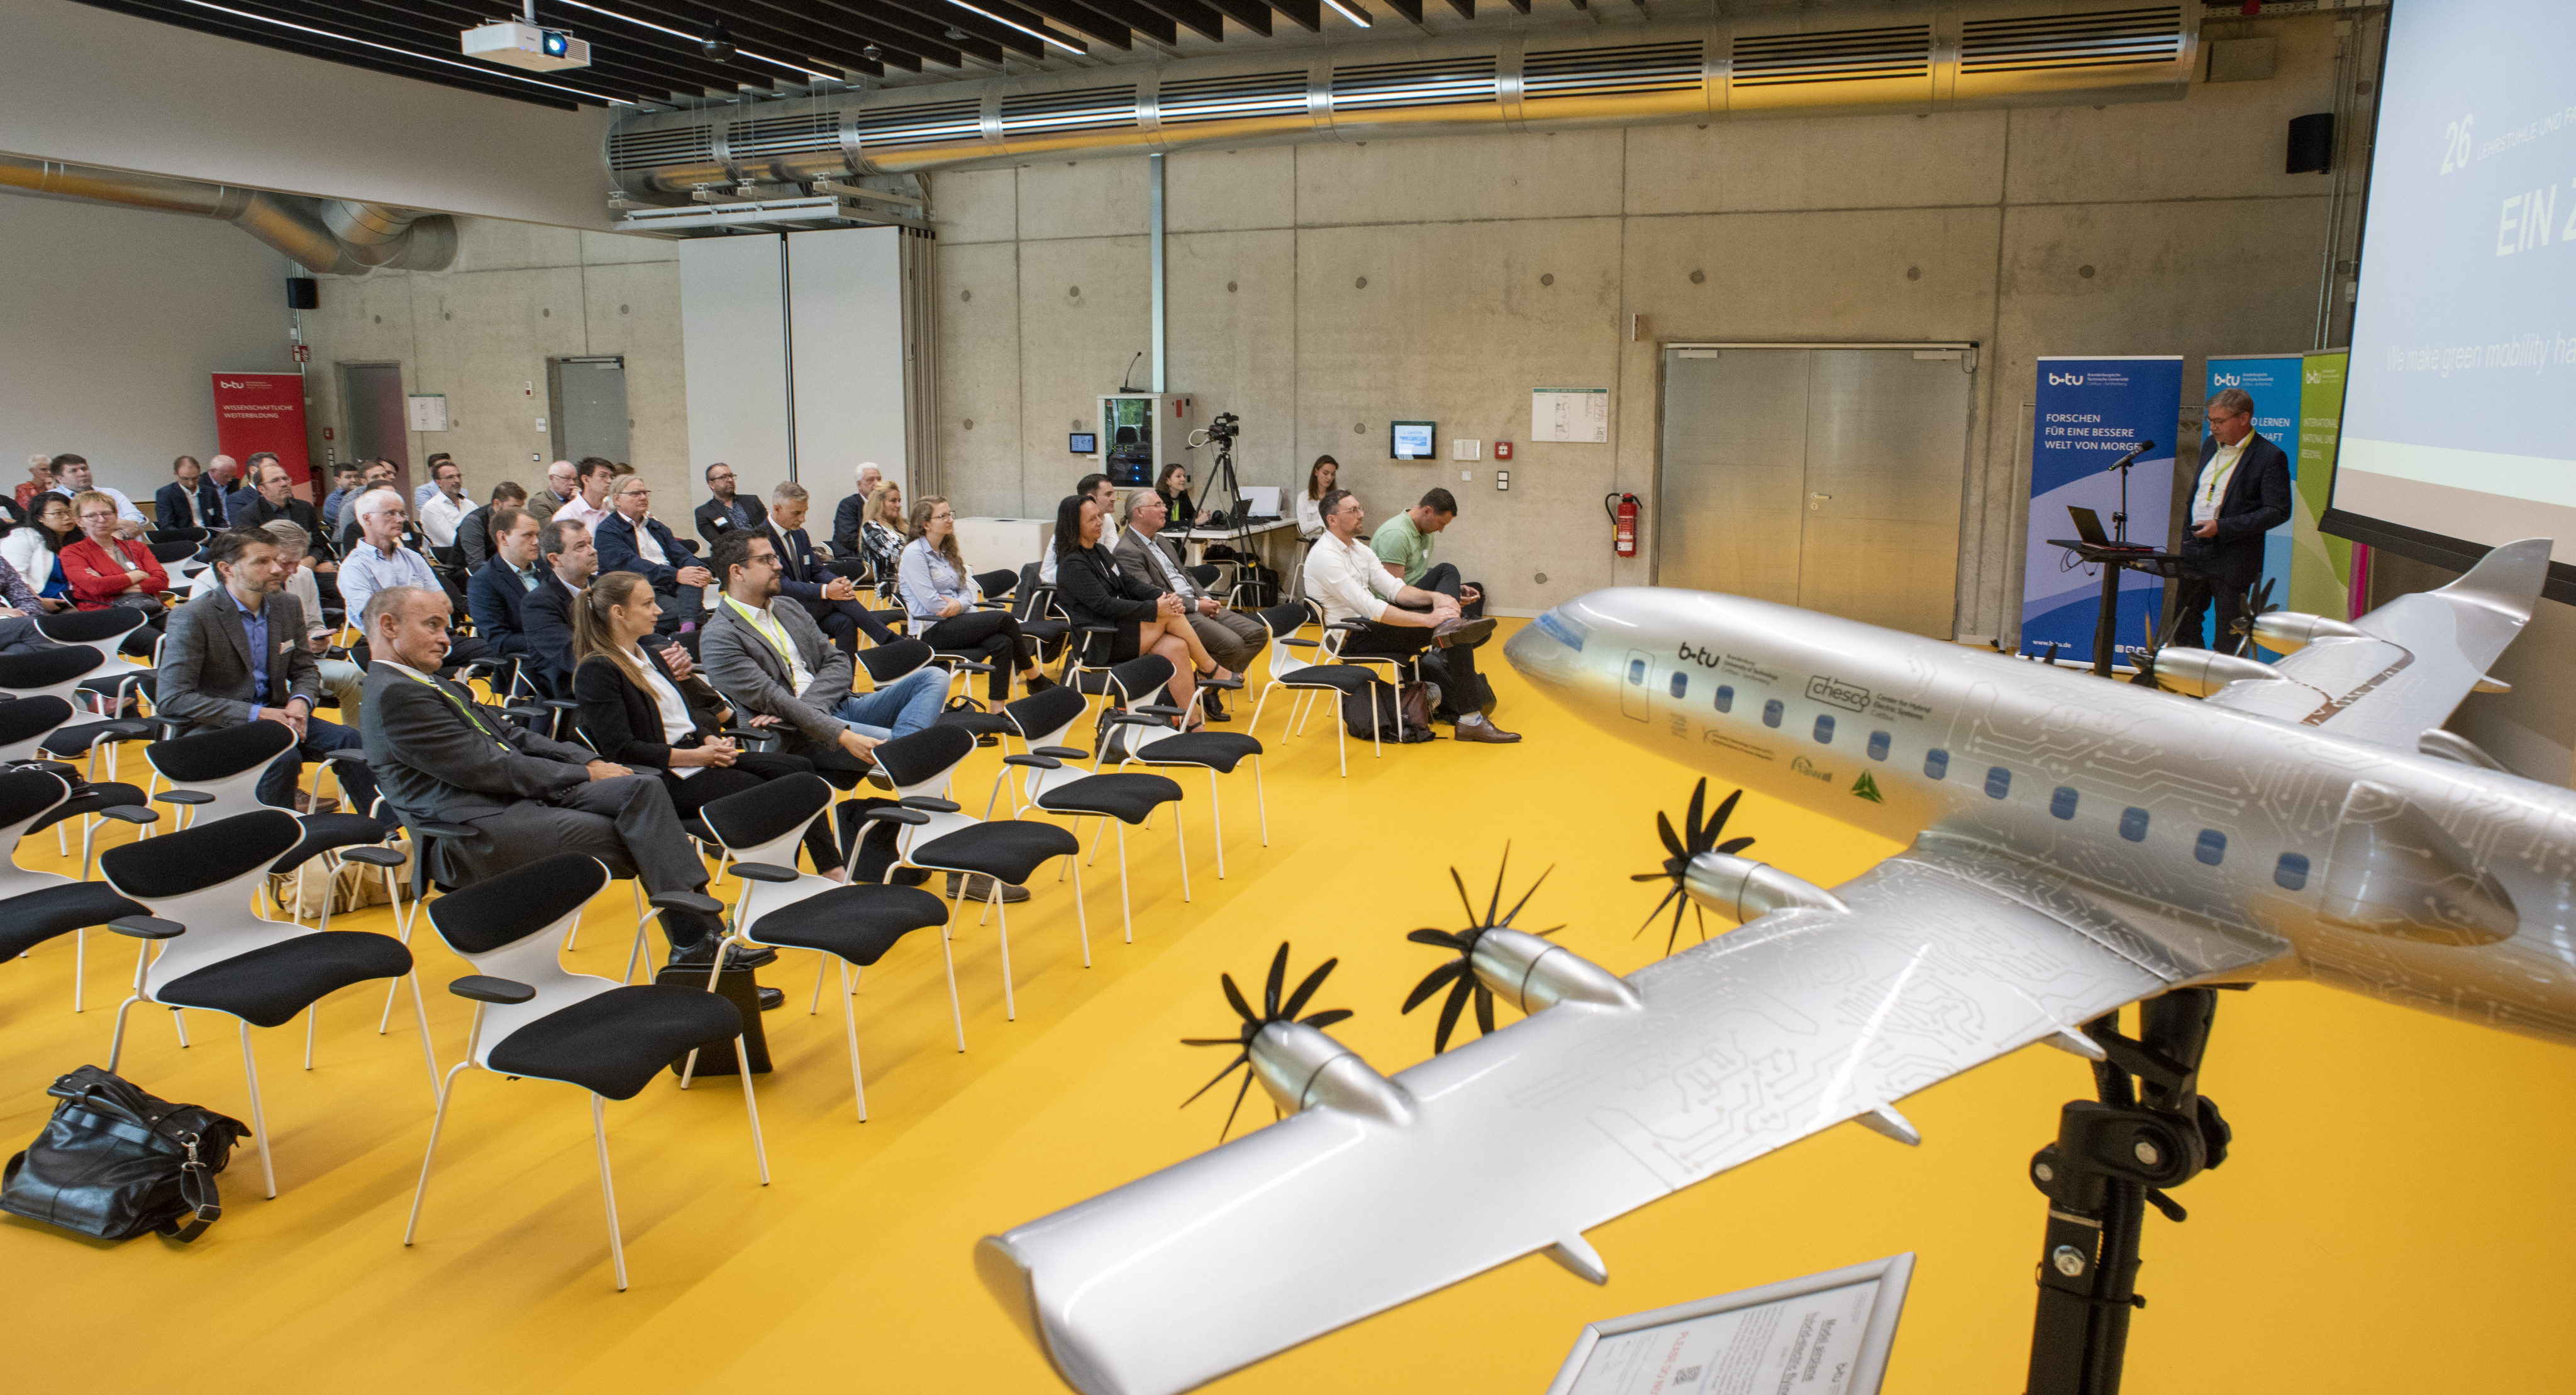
<point x="1410" y="440"/>
<point x="1082" y="442"/>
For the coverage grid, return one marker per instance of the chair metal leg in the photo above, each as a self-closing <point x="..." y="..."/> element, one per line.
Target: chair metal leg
<point x="258" y="1118"/>
<point x="822" y="962"/>
<point x="850" y="1027"/>
<point x="1216" y="819"/>
<point x="949" y="958"/>
<point x="1010" y="1010"/>
<point x="80" y="964"/>
<point x="1082" y="917"/>
<point x="312" y="1017"/>
<point x="428" y="1049"/>
<point x="1261" y="800"/>
<point x="608" y="1188"/>
<point x="1126" y="917"/>
<point x="116" y="1043"/>
<point x="1181" y="845"/>
<point x="437" y="1122"/>
<point x="751" y="1106"/>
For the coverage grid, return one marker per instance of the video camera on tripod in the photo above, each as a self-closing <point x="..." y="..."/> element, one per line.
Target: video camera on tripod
<point x="1218" y="432"/>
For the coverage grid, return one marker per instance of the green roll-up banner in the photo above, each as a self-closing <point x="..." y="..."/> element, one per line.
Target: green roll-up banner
<point x="2320" y="566"/>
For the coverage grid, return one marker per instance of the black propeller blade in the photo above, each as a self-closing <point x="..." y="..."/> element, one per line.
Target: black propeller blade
<point x="1272" y="1010"/>
<point x="1459" y="974"/>
<point x="1700" y="837"/>
<point x="2258" y="602"/>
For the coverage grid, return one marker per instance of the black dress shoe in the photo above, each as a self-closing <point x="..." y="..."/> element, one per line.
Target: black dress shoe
<point x="703" y="952"/>
<point x="770" y="998"/>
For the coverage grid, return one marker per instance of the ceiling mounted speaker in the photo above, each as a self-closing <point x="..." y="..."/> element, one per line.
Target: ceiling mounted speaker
<point x="2311" y="144"/>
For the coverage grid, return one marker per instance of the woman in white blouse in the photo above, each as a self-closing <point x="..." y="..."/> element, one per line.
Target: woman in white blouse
<point x="1319" y="482"/>
<point x="34" y="549"/>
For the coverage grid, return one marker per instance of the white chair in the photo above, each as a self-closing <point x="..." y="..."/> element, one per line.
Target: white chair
<point x="1050" y="785"/>
<point x="1152" y="740"/>
<point x="1306" y="678"/>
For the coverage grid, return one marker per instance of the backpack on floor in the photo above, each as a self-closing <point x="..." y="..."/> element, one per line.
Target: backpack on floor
<point x="1403" y="714"/>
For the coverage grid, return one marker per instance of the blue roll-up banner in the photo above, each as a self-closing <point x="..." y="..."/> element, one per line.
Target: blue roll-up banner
<point x="2273" y="381"/>
<point x="2090" y="412"/>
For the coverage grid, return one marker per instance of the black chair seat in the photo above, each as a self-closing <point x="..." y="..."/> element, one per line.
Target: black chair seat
<point x="1129" y="798"/>
<point x="1048" y="631"/>
<point x="33" y="917"/>
<point x="980" y="723"/>
<point x="1345" y="678"/>
<point x="858" y="923"/>
<point x="1009" y="851"/>
<point x="76" y="738"/>
<point x="323" y="832"/>
<point x="1217" y="750"/>
<point x="267" y="987"/>
<point x="89" y="801"/>
<point x="613" y="1044"/>
<point x="109" y="683"/>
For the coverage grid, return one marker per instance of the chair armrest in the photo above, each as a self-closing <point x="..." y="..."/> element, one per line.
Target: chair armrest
<point x="559" y="704"/>
<point x="1161" y="709"/>
<point x="895" y="814"/>
<point x="170" y="727"/>
<point x="373" y="857"/>
<point x="686" y="901"/>
<point x="936" y="806"/>
<point x="483" y="988"/>
<point x="1138" y="719"/>
<point x="533" y="714"/>
<point x="969" y="666"/>
<point x="1041" y="762"/>
<point x="354" y="755"/>
<point x="766" y="871"/>
<point x="130" y="813"/>
<point x="146" y="927"/>
<point x="1096" y="629"/>
<point x="1296" y="643"/>
<point x="1227" y="684"/>
<point x="184" y="797"/>
<point x="1348" y="626"/>
<point x="1062" y="752"/>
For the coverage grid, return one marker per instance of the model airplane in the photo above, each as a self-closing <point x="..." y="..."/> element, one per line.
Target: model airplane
<point x="2076" y="846"/>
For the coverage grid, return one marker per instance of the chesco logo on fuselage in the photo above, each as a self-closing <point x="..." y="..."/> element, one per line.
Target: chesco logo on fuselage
<point x="1850" y="697"/>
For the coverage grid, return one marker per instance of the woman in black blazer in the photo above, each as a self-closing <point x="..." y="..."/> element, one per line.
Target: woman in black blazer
<point x="630" y="702"/>
<point x="1093" y="591"/>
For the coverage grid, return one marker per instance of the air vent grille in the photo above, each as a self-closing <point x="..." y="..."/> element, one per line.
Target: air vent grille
<point x="803" y="134"/>
<point x="1434" y="82"/>
<point x="670" y="145"/>
<point x="1090" y="109"/>
<point x="931" y="123"/>
<point x="1241" y="97"/>
<point x="2098" y="39"/>
<point x="1610" y="72"/>
<point x="1897" y="52"/>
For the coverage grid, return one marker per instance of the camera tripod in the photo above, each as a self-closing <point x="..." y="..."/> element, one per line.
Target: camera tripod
<point x="1222" y="484"/>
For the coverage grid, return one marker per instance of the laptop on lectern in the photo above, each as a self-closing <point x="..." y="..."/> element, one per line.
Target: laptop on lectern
<point x="2088" y="526"/>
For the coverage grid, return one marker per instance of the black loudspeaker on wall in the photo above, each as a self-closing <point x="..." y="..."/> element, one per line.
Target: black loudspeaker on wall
<point x="305" y="293"/>
<point x="2311" y="143"/>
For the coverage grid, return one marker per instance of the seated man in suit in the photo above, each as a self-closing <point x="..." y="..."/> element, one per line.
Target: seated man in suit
<point x="1230" y="637"/>
<point x="631" y="539"/>
<point x="444" y="758"/>
<point x="832" y="600"/>
<point x="2242" y="493"/>
<point x="853" y="511"/>
<point x="726" y="509"/>
<point x="498" y="594"/>
<point x="238" y="653"/>
<point x="569" y="562"/>
<point x="474" y="531"/>
<point x="772" y="660"/>
<point x="190" y="500"/>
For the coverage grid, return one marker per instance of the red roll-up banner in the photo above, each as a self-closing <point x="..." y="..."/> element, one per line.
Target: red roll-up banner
<point x="262" y="411"/>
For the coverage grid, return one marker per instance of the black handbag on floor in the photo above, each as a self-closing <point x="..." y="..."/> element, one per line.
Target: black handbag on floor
<point x="116" y="1161"/>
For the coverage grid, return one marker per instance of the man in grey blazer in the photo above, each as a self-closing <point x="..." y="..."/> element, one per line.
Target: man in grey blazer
<point x="237" y="653"/>
<point x="772" y="660"/>
<point x="445" y="758"/>
<point x="1230" y="637"/>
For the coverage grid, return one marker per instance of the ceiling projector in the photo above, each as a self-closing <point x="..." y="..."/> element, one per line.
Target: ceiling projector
<point x="527" y="46"/>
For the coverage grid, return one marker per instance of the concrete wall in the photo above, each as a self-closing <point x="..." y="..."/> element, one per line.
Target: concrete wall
<point x="1495" y="264"/>
<point x="116" y="321"/>
<point x="481" y="333"/>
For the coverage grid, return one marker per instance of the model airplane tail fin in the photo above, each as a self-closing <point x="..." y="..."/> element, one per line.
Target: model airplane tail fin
<point x="2506" y="580"/>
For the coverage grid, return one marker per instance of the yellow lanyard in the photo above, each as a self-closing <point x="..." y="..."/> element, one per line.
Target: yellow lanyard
<point x="463" y="707"/>
<point x="769" y="628"/>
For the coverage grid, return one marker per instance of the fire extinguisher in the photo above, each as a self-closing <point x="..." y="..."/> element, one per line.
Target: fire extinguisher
<point x="1623" y="522"/>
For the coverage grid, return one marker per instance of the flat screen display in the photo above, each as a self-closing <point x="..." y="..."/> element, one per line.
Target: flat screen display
<point x="1410" y="440"/>
<point x="1083" y="442"/>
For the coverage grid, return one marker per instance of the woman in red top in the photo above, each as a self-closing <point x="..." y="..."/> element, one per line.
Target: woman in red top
<point x="103" y="569"/>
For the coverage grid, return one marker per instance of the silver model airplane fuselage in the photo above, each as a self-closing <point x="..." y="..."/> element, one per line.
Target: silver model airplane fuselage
<point x="2200" y="831"/>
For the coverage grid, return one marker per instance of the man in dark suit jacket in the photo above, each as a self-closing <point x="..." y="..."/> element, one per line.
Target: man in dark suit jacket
<point x="677" y="578"/>
<point x="498" y="594"/>
<point x="2241" y="493"/>
<point x="546" y="614"/>
<point x="474" y="531"/>
<point x="445" y="758"/>
<point x="249" y="626"/>
<point x="832" y="600"/>
<point x="727" y="509"/>
<point x="170" y="506"/>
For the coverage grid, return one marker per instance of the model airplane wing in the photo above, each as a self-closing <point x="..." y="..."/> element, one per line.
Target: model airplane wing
<point x="1937" y="960"/>
<point x="2407" y="664"/>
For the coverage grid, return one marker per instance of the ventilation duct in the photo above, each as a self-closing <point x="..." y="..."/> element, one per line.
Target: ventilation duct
<point x="337" y="237"/>
<point x="1550" y="79"/>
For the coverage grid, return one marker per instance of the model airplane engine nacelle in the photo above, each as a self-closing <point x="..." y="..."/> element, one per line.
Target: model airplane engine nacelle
<point x="2200" y="672"/>
<point x="1302" y="1067"/>
<point x="2288" y="631"/>
<point x="1740" y="888"/>
<point x="1531" y="973"/>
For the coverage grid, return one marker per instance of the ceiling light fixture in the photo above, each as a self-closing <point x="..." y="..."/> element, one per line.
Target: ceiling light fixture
<point x="1039" y="34"/>
<point x="1353" y="13"/>
<point x="476" y="69"/>
<point x="697" y="39"/>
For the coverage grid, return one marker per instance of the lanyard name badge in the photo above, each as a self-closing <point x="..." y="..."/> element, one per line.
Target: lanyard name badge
<point x="462" y="707"/>
<point x="769" y="628"/>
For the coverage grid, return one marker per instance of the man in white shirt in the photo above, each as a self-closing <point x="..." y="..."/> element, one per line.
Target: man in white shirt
<point x="2241" y="493"/>
<point x="379" y="560"/>
<point x="446" y="506"/>
<point x="1097" y="489"/>
<point x="74" y="473"/>
<point x="1344" y="573"/>
<point x="428" y="489"/>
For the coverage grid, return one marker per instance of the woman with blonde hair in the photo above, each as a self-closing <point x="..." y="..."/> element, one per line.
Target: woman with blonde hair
<point x="939" y="594"/>
<point x="882" y="535"/>
<point x="637" y="712"/>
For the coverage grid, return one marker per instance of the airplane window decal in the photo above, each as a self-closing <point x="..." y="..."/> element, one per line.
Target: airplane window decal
<point x="1878" y="745"/>
<point x="2062" y="803"/>
<point x="1637" y="672"/>
<point x="2212" y="847"/>
<point x="2292" y="872"/>
<point x="1725" y="697"/>
<point x="1772" y="711"/>
<point x="1680" y="684"/>
<point x="1936" y="763"/>
<point x="1998" y="782"/>
<point x="2133" y="825"/>
<point x="1824" y="731"/>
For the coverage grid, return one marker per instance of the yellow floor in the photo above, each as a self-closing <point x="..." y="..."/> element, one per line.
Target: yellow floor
<point x="2391" y="1222"/>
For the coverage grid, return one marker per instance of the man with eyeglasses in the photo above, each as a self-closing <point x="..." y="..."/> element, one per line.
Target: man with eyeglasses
<point x="561" y="486"/>
<point x="727" y="509"/>
<point x="2243" y="492"/>
<point x="631" y="539"/>
<point x="380" y="560"/>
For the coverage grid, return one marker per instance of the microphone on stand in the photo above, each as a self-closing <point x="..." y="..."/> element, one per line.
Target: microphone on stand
<point x="1123" y="378"/>
<point x="2143" y="448"/>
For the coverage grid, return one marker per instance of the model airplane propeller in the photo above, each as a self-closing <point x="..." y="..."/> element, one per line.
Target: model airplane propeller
<point x="1696" y="838"/>
<point x="1460" y="973"/>
<point x="2145" y="677"/>
<point x="2258" y="603"/>
<point x="1273" y="1014"/>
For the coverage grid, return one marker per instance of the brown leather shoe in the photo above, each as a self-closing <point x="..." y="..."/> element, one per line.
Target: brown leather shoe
<point x="1449" y="634"/>
<point x="1484" y="731"/>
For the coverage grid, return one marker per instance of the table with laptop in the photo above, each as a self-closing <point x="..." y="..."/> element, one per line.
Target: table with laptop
<point x="1252" y="525"/>
<point x="2114" y="555"/>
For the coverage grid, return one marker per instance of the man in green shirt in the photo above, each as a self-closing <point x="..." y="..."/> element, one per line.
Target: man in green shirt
<point x="1404" y="545"/>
